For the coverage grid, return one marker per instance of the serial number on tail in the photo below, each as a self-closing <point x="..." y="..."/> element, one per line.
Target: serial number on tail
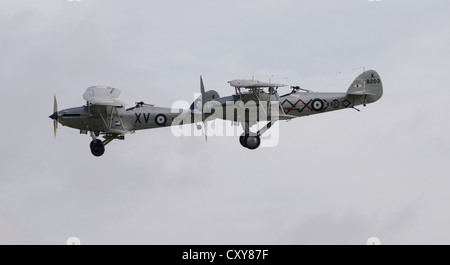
<point x="373" y="81"/>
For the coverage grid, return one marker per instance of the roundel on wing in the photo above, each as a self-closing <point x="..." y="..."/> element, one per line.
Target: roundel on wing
<point x="161" y="119"/>
<point x="317" y="105"/>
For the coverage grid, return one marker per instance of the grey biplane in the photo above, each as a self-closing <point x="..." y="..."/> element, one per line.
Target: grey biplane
<point x="104" y="115"/>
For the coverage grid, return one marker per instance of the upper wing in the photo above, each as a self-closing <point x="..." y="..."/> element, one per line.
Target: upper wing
<point x="252" y="84"/>
<point x="102" y="95"/>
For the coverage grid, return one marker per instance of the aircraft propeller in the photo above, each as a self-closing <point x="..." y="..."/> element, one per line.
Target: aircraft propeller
<point x="54" y="116"/>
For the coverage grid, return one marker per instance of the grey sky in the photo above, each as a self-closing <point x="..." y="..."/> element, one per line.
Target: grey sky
<point x="337" y="178"/>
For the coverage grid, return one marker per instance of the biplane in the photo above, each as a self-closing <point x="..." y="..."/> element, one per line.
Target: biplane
<point x="253" y="102"/>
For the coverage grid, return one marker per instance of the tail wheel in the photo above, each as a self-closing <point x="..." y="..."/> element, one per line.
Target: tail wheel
<point x="97" y="148"/>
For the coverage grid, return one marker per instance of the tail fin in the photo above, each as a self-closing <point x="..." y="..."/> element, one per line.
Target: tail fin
<point x="367" y="84"/>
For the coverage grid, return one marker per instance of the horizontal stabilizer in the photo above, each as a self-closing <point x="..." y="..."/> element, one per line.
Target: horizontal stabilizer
<point x="360" y="93"/>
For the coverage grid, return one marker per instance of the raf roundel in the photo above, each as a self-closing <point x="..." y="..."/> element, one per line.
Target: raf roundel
<point x="161" y="119"/>
<point x="317" y="104"/>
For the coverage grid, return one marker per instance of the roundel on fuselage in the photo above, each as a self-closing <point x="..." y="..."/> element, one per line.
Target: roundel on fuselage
<point x="161" y="119"/>
<point x="317" y="104"/>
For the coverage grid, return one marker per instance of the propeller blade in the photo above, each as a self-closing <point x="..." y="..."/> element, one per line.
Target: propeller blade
<point x="55" y="104"/>
<point x="202" y="87"/>
<point x="205" y="131"/>
<point x="55" y="116"/>
<point x="202" y="90"/>
<point x="55" y="127"/>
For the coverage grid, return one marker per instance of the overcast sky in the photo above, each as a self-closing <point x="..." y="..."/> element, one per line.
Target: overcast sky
<point x="336" y="178"/>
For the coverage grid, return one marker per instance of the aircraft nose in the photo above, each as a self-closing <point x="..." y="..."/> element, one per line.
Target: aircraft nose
<point x="54" y="116"/>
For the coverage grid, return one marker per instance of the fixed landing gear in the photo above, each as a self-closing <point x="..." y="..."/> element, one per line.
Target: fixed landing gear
<point x="97" y="147"/>
<point x="253" y="140"/>
<point x="250" y="142"/>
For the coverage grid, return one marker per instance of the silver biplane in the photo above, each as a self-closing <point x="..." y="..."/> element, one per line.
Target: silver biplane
<point x="104" y="115"/>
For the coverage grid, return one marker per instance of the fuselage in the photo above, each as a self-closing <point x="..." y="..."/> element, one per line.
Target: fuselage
<point x="117" y="120"/>
<point x="300" y="104"/>
<point x="309" y="103"/>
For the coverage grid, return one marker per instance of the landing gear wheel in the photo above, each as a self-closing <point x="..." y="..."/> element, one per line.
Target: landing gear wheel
<point x="97" y="148"/>
<point x="250" y="142"/>
<point x="242" y="140"/>
<point x="94" y="142"/>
